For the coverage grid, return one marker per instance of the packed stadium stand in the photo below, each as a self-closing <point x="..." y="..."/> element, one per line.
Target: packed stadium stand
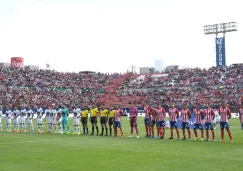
<point x="184" y="86"/>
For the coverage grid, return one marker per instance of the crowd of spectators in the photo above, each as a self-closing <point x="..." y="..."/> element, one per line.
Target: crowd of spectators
<point x="183" y="86"/>
<point x="26" y="86"/>
<point x="189" y="86"/>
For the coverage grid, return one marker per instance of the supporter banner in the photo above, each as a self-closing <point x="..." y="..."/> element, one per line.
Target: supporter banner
<point x="220" y="52"/>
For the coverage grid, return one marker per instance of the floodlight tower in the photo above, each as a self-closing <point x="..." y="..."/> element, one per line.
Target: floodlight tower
<point x="216" y="29"/>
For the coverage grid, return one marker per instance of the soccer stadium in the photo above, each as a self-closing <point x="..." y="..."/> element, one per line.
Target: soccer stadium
<point x="96" y="117"/>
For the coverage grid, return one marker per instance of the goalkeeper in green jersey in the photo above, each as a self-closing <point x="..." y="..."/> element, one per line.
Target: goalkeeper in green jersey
<point x="65" y="125"/>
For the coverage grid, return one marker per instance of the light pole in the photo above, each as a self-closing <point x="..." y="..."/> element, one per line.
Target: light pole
<point x="216" y="29"/>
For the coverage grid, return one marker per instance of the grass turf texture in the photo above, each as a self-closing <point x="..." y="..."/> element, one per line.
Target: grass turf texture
<point x="54" y="152"/>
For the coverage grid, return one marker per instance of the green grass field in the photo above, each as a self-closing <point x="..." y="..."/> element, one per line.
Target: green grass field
<point x="53" y="152"/>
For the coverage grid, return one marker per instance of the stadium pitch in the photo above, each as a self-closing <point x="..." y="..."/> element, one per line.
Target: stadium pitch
<point x="54" y="152"/>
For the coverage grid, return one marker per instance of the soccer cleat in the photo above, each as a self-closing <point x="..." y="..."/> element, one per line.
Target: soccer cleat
<point x="183" y="139"/>
<point x="91" y="134"/>
<point x="130" y="136"/>
<point x="137" y="137"/>
<point x="158" y="137"/>
<point x="122" y="135"/>
<point x="213" y="140"/>
<point x="206" y="140"/>
<point x="101" y="134"/>
<point x="171" y="138"/>
<point x="78" y="133"/>
<point x="20" y="130"/>
<point x="74" y="133"/>
<point x="146" y="136"/>
<point x="202" y="139"/>
<point x="195" y="139"/>
<point x="221" y="140"/>
<point x="162" y="137"/>
<point x="152" y="137"/>
<point x="189" y="139"/>
<point x="178" y="138"/>
<point x="231" y="141"/>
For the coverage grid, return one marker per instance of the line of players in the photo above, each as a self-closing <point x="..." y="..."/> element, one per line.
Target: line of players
<point x="58" y="118"/>
<point x="153" y="116"/>
<point x="156" y="116"/>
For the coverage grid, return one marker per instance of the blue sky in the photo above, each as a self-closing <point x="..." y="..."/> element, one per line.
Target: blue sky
<point x="113" y="35"/>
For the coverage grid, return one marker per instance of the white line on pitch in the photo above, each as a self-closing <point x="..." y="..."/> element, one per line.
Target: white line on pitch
<point x="20" y="142"/>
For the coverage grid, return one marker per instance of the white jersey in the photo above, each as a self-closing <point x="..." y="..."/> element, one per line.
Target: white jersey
<point x="39" y="116"/>
<point x="53" y="114"/>
<point x="1" y="117"/>
<point x="23" y="113"/>
<point x="76" y="113"/>
<point x="30" y="114"/>
<point x="217" y="117"/>
<point x="22" y="116"/>
<point x="39" y="113"/>
<point x="49" y="114"/>
<point x="16" y="114"/>
<point x="9" y="114"/>
<point x="59" y="115"/>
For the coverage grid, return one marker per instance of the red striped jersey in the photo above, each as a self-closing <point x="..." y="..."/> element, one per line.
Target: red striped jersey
<point x="185" y="115"/>
<point x="198" y="115"/>
<point x="241" y="114"/>
<point x="173" y="114"/>
<point x="161" y="114"/>
<point x="147" y="111"/>
<point x="118" y="115"/>
<point x="209" y="115"/>
<point x="224" y="114"/>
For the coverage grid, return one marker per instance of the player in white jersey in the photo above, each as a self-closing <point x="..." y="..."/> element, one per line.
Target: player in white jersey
<point x="1" y="114"/>
<point x="59" y="120"/>
<point x="48" y="118"/>
<point x="216" y="119"/>
<point x="30" y="115"/>
<point x="53" y="119"/>
<point x="9" y="115"/>
<point x="39" y="119"/>
<point x="76" y="123"/>
<point x="16" y="113"/>
<point x="22" y="125"/>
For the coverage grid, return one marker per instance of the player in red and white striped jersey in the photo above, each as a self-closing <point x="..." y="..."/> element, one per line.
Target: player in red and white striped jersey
<point x="160" y="113"/>
<point x="198" y="123"/>
<point x="209" y="116"/>
<point x="153" y="115"/>
<point x="185" y="116"/>
<point x="117" y="121"/>
<point x="225" y="115"/>
<point x="241" y="115"/>
<point x="173" y="114"/>
<point x="147" y="118"/>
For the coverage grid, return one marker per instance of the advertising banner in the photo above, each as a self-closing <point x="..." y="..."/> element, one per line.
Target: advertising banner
<point x="220" y="52"/>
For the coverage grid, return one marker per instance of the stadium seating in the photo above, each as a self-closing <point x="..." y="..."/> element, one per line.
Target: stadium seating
<point x="186" y="86"/>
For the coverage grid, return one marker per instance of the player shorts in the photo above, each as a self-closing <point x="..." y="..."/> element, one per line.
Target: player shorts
<point x="49" y="120"/>
<point x="22" y="120"/>
<point x="197" y="126"/>
<point x="64" y="122"/>
<point x="216" y="120"/>
<point x="59" y="120"/>
<point x="224" y="125"/>
<point x="117" y="124"/>
<point x="185" y="125"/>
<point x="53" y="121"/>
<point x="173" y="124"/>
<point x="76" y="121"/>
<point x="111" y="121"/>
<point x="84" y="120"/>
<point x="133" y="121"/>
<point x="146" y="121"/>
<point x="93" y="119"/>
<point x="103" y="120"/>
<point x="153" y="122"/>
<point x="209" y="125"/>
<point x="30" y="121"/>
<point x="8" y="122"/>
<point x="161" y="124"/>
<point x="39" y="121"/>
<point x="16" y="121"/>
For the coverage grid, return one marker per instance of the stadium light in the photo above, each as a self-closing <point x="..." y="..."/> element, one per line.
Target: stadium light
<point x="221" y="28"/>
